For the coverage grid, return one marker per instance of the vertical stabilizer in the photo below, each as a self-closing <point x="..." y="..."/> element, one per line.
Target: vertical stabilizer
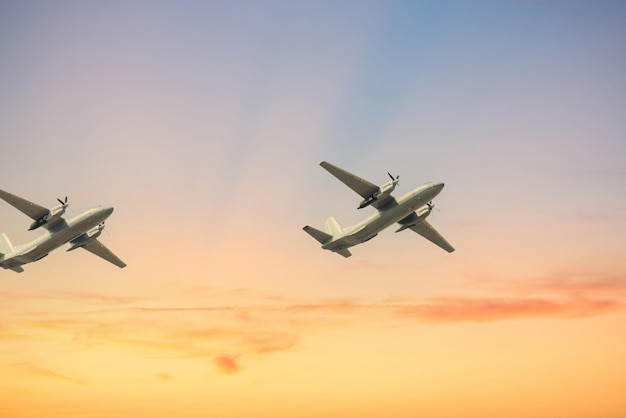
<point x="5" y="245"/>
<point x="332" y="227"/>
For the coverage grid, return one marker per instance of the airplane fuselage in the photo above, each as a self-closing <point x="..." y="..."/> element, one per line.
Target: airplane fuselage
<point x="386" y="216"/>
<point x="61" y="234"/>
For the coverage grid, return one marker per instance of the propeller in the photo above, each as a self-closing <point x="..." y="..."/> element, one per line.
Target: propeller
<point x="64" y="203"/>
<point x="395" y="180"/>
<point x="431" y="206"/>
<point x="101" y="226"/>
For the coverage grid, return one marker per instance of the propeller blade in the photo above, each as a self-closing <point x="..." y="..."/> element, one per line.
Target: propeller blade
<point x="62" y="202"/>
<point x="395" y="180"/>
<point x="102" y="228"/>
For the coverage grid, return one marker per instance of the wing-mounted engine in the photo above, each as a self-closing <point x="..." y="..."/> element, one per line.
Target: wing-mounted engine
<point x="52" y="216"/>
<point x="86" y="237"/>
<point x="382" y="192"/>
<point x="416" y="217"/>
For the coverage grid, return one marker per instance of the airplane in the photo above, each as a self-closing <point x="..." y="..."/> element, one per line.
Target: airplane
<point x="409" y="211"/>
<point x="81" y="231"/>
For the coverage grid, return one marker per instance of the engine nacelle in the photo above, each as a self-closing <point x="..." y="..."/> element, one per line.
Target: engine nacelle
<point x="423" y="212"/>
<point x="86" y="237"/>
<point x="382" y="192"/>
<point x="368" y="201"/>
<point x="52" y="215"/>
<point x="421" y="215"/>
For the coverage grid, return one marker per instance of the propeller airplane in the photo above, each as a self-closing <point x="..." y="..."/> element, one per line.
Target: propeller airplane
<point x="409" y="211"/>
<point x="81" y="231"/>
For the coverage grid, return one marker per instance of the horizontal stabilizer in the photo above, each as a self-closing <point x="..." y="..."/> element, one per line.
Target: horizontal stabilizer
<point x="321" y="237"/>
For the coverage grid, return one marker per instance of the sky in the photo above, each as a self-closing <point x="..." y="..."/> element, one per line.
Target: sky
<point x="203" y="124"/>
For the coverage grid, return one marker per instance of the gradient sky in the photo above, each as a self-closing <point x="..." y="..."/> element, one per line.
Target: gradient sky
<point x="203" y="123"/>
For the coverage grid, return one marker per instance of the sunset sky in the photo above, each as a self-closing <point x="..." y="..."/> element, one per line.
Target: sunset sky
<point x="203" y="124"/>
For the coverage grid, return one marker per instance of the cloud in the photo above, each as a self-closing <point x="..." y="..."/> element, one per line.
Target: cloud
<point x="165" y="377"/>
<point x="225" y="334"/>
<point x="91" y="298"/>
<point x="583" y="285"/>
<point x="37" y="371"/>
<point x="94" y="298"/>
<point x="16" y="391"/>
<point x="593" y="216"/>
<point x="499" y="309"/>
<point x="226" y="364"/>
<point x="208" y="332"/>
<point x="570" y="284"/>
<point x="267" y="342"/>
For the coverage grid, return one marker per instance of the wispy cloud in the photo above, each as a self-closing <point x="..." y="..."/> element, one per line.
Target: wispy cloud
<point x="165" y="377"/>
<point x="568" y="284"/>
<point x="39" y="372"/>
<point x="499" y="309"/>
<point x="81" y="297"/>
<point x="95" y="298"/>
<point x="224" y="334"/>
<point x="593" y="216"/>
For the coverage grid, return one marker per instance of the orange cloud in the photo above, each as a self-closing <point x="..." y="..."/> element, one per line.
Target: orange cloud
<point x="166" y="377"/>
<point x="41" y="372"/>
<point x="560" y="284"/>
<point x="69" y="297"/>
<point x="276" y="323"/>
<point x="226" y="364"/>
<point x="498" y="309"/>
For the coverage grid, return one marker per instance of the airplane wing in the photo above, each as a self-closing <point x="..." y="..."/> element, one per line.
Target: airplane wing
<point x="30" y="209"/>
<point x="344" y="252"/>
<point x="363" y="187"/>
<point x="97" y="248"/>
<point x="427" y="231"/>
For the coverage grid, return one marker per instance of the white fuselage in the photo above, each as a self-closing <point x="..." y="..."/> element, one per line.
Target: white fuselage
<point x="387" y="216"/>
<point x="56" y="237"/>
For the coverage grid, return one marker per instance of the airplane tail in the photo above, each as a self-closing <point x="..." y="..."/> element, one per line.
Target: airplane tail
<point x="332" y="227"/>
<point x="5" y="245"/>
<point x="321" y="237"/>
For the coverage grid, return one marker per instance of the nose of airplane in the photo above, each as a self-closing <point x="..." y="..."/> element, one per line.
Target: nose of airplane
<point x="108" y="210"/>
<point x="438" y="186"/>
